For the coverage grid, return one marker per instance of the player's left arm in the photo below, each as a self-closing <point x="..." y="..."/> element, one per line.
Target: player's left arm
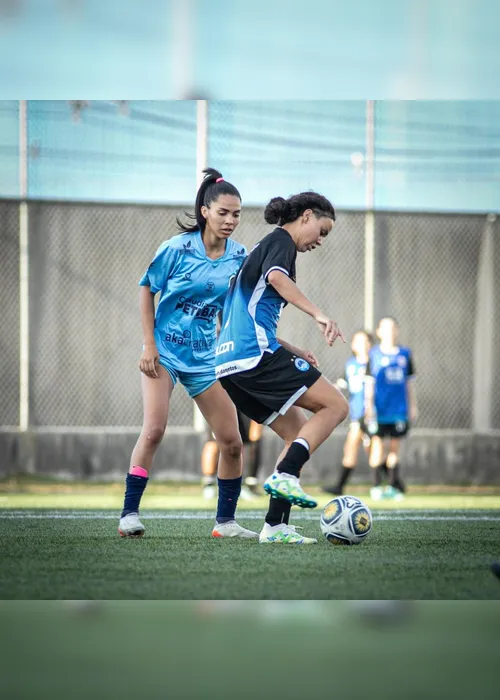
<point x="305" y="354"/>
<point x="412" y="391"/>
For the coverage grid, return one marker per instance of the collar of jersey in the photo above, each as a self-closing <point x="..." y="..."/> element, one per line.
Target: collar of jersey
<point x="396" y="351"/>
<point x="282" y="230"/>
<point x="201" y="248"/>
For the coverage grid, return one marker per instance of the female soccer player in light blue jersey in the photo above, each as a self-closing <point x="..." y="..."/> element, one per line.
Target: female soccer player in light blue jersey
<point x="268" y="379"/>
<point x="191" y="273"/>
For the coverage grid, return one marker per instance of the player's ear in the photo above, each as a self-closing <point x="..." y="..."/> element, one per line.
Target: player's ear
<point x="204" y="211"/>
<point x="307" y="215"/>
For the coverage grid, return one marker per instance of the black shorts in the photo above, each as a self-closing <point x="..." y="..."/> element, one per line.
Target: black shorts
<point x="383" y="430"/>
<point x="269" y="389"/>
<point x="243" y="427"/>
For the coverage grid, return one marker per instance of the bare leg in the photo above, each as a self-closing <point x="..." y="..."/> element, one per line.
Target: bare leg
<point x="156" y="395"/>
<point x="220" y="414"/>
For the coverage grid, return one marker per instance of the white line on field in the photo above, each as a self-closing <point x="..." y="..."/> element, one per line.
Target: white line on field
<point x="205" y="515"/>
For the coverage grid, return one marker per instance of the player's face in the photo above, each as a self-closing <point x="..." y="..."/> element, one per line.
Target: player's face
<point x="313" y="231"/>
<point x="388" y="331"/>
<point x="360" y="344"/>
<point x="223" y="215"/>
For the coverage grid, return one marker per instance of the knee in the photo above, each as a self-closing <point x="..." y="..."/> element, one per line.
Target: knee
<point x="336" y="404"/>
<point x="341" y="408"/>
<point x="231" y="447"/>
<point x="392" y="460"/>
<point x="154" y="434"/>
<point x="345" y="408"/>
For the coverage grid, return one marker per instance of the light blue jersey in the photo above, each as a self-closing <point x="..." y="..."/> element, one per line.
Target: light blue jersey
<point x="192" y="290"/>
<point x="253" y="306"/>
<point x="354" y="381"/>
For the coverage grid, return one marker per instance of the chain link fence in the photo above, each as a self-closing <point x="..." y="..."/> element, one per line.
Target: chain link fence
<point x="85" y="263"/>
<point x="426" y="270"/>
<point x="85" y="337"/>
<point x="9" y="313"/>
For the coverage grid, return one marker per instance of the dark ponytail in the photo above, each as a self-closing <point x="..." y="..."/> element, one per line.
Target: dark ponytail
<point x="283" y="211"/>
<point x="212" y="187"/>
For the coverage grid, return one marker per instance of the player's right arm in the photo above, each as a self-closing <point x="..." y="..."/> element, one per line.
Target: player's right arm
<point x="287" y="289"/>
<point x="162" y="267"/>
<point x="150" y="356"/>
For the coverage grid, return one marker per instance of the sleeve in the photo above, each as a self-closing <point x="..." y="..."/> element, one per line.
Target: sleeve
<point x="160" y="269"/>
<point x="280" y="255"/>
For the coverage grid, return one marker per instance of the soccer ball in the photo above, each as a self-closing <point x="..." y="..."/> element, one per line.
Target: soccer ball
<point x="346" y="520"/>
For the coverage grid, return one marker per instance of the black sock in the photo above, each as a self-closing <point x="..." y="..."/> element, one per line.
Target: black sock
<point x="294" y="459"/>
<point x="377" y="475"/>
<point x="279" y="511"/>
<point x="134" y="488"/>
<point x="395" y="478"/>
<point x="344" y="477"/>
<point x="229" y="492"/>
<point x="385" y="469"/>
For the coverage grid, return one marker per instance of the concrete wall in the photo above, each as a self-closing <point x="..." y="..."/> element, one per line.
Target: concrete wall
<point x="438" y="457"/>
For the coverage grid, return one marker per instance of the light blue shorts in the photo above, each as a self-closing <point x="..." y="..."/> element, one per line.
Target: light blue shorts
<point x="195" y="383"/>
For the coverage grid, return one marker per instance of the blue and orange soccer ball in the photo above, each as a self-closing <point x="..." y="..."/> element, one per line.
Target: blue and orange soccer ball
<point x="346" y="520"/>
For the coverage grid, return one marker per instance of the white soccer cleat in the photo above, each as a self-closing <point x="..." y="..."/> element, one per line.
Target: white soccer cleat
<point x="287" y="486"/>
<point x="376" y="493"/>
<point x="232" y="529"/>
<point x="131" y="526"/>
<point x="283" y="534"/>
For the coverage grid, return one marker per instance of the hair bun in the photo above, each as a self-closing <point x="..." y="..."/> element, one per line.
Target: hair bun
<point x="211" y="175"/>
<point x="275" y="210"/>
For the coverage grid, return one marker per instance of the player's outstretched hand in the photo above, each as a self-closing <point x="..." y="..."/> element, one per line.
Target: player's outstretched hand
<point x="329" y="328"/>
<point x="149" y="361"/>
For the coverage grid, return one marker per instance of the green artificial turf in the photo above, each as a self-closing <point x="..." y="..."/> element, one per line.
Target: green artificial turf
<point x="410" y="554"/>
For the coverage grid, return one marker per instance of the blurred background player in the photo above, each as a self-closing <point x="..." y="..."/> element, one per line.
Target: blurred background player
<point x="353" y="382"/>
<point x="251" y="434"/>
<point x="390" y="406"/>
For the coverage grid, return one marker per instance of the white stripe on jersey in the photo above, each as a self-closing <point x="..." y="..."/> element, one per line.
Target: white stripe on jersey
<point x="260" y="332"/>
<point x="248" y="362"/>
<point x="276" y="267"/>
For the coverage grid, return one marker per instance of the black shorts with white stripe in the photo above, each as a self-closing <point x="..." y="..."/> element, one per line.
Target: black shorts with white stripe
<point x="269" y="389"/>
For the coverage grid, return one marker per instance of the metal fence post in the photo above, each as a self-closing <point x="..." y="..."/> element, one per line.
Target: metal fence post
<point x="369" y="292"/>
<point x="182" y="47"/>
<point x="24" y="360"/>
<point x="201" y="163"/>
<point x="484" y="333"/>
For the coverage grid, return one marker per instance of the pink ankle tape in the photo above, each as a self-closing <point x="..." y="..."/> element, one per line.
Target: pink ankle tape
<point x="139" y="471"/>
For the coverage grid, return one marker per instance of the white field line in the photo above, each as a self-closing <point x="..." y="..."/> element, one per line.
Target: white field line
<point x="402" y="516"/>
